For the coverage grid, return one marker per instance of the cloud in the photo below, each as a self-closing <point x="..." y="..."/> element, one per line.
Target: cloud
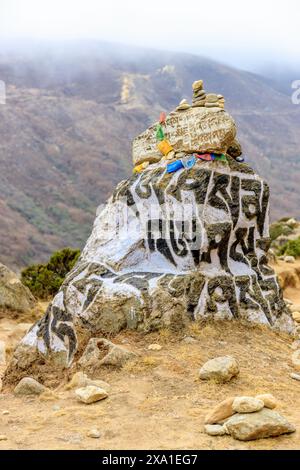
<point x="229" y="31"/>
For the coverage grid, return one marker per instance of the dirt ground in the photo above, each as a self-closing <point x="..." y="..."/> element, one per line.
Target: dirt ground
<point x="157" y="401"/>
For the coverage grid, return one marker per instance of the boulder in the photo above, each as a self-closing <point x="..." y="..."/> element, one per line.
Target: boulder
<point x="247" y="404"/>
<point x="262" y="424"/>
<point x="268" y="399"/>
<point x="221" y="412"/>
<point x="220" y="369"/>
<point x="168" y="248"/>
<point x="29" y="386"/>
<point x="13" y="294"/>
<point x="215" y="430"/>
<point x="90" y="394"/>
<point x="101" y="352"/>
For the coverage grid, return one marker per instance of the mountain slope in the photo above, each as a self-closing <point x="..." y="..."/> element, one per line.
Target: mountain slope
<point x="66" y="130"/>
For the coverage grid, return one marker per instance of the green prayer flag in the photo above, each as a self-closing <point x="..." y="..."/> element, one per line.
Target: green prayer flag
<point x="160" y="133"/>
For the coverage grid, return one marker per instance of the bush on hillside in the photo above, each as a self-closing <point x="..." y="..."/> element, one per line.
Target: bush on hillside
<point x="291" y="248"/>
<point x="279" y="228"/>
<point x="44" y="280"/>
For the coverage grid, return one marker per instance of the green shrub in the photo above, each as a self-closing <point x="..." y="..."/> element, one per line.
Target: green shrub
<point x="278" y="229"/>
<point x="44" y="280"/>
<point x="291" y="248"/>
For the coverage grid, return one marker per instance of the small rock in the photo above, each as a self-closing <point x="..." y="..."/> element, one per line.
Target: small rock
<point x="222" y="411"/>
<point x="215" y="430"/>
<point x="288" y="302"/>
<point x="292" y="222"/>
<point x="29" y="386"/>
<point x="197" y="85"/>
<point x="296" y="359"/>
<point x="3" y="437"/>
<point x="247" y="405"/>
<point x="295" y="376"/>
<point x="263" y="423"/>
<point x="5" y="412"/>
<point x="289" y="259"/>
<point x="48" y="395"/>
<point x="90" y="394"/>
<point x="212" y="98"/>
<point x="268" y="399"/>
<point x="295" y="345"/>
<point x="221" y="369"/>
<point x="80" y="379"/>
<point x="296" y="316"/>
<point x="154" y="347"/>
<point x="95" y="433"/>
<point x="190" y="340"/>
<point x="56" y="408"/>
<point x="2" y="353"/>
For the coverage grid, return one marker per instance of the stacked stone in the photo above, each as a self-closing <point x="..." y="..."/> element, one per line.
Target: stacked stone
<point x="183" y="106"/>
<point x="212" y="101"/>
<point x="199" y="95"/>
<point x="221" y="100"/>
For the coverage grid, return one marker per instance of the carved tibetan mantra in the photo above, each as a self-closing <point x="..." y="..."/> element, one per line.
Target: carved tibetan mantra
<point x="166" y="249"/>
<point x="195" y="130"/>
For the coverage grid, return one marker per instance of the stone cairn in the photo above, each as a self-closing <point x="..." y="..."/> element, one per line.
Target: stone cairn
<point x="201" y="99"/>
<point x="170" y="247"/>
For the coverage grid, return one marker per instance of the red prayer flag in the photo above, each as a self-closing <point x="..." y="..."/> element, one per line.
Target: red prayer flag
<point x="162" y="117"/>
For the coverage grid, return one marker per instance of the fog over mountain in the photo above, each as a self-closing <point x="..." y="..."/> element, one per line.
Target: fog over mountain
<point x="73" y="108"/>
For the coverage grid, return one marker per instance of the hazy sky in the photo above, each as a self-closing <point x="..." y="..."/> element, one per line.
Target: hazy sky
<point x="235" y="31"/>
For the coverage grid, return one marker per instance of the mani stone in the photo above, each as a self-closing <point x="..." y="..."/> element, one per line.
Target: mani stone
<point x="221" y="369"/>
<point x="166" y="249"/>
<point x="262" y="424"/>
<point x="247" y="405"/>
<point x="198" y="129"/>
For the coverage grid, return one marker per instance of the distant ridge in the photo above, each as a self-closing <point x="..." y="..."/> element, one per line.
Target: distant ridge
<point x="70" y="115"/>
